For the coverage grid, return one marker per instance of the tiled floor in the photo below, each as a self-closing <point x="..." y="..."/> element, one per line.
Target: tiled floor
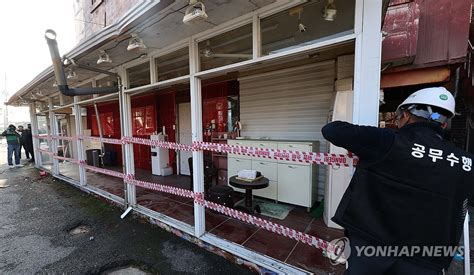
<point x="250" y="236"/>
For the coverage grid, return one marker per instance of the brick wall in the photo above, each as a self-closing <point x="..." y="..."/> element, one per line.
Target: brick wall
<point x="92" y="16"/>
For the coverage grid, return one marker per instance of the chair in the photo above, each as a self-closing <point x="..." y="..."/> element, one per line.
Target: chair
<point x="210" y="172"/>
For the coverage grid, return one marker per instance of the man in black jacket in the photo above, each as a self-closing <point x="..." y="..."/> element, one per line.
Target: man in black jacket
<point x="28" y="143"/>
<point x="409" y="190"/>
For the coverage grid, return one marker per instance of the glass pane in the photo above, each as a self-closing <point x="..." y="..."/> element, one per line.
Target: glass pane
<point x="173" y="65"/>
<point x="306" y="24"/>
<point x="139" y="75"/>
<point x="108" y="81"/>
<point x="228" y="48"/>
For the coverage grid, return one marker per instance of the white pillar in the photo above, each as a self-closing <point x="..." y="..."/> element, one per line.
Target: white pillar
<point x="80" y="142"/>
<point x="129" y="162"/>
<point x="196" y="128"/>
<point x="34" y="132"/>
<point x="368" y="56"/>
<point x="53" y="125"/>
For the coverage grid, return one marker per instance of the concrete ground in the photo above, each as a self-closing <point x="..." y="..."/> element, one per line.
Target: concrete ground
<point x="38" y="213"/>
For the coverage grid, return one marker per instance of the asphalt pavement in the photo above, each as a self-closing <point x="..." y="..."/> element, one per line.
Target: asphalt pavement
<point x="37" y="215"/>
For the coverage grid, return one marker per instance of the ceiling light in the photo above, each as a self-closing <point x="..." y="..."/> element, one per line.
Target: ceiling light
<point x="103" y="58"/>
<point x="71" y="75"/>
<point x="38" y="92"/>
<point x="330" y="11"/>
<point x="135" y="43"/>
<point x="55" y="84"/>
<point x="301" y="27"/>
<point x="195" y="11"/>
<point x="68" y="61"/>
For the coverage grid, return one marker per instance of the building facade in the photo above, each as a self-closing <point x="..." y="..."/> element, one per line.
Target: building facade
<point x="180" y="108"/>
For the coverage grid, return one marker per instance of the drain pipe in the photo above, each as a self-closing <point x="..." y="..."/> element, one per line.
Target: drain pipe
<point x="101" y="135"/>
<point x="58" y="67"/>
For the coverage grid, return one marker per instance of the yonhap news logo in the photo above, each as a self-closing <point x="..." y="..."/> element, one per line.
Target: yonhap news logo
<point x="343" y="251"/>
<point x="408" y="251"/>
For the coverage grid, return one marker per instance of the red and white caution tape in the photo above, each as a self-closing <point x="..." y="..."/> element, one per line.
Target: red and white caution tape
<point x="303" y="157"/>
<point x="65" y="159"/>
<point x="348" y="160"/>
<point x="267" y="225"/>
<point x="104" y="171"/>
<point x="159" y="187"/>
<point x="43" y="136"/>
<point x="63" y="138"/>
<point x="103" y="140"/>
<point x="161" y="144"/>
<point x="44" y="151"/>
<point x="199" y="198"/>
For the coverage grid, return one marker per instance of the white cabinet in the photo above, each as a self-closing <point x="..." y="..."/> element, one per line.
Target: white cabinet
<point x="293" y="184"/>
<point x="290" y="182"/>
<point x="270" y="171"/>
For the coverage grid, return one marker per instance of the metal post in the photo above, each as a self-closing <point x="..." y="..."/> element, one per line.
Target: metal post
<point x="53" y="125"/>
<point x="467" y="252"/>
<point x="196" y="127"/>
<point x="125" y="102"/>
<point x="80" y="142"/>
<point x="368" y="55"/>
<point x="256" y="37"/>
<point x="34" y="132"/>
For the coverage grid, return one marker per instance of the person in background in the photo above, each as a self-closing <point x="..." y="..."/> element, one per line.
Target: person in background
<point x="28" y="143"/>
<point x="410" y="188"/>
<point x="19" y="129"/>
<point x="13" y="141"/>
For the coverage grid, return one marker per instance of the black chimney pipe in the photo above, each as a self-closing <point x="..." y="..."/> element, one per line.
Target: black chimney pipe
<point x="58" y="67"/>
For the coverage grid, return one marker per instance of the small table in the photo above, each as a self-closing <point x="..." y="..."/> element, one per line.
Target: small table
<point x="249" y="186"/>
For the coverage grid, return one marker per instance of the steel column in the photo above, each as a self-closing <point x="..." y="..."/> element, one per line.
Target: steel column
<point x="53" y="125"/>
<point x="34" y="132"/>
<point x="368" y="55"/>
<point x="80" y="142"/>
<point x="196" y="128"/>
<point x="125" y="102"/>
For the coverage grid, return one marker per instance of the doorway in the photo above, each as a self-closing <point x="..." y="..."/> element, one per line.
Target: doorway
<point x="185" y="136"/>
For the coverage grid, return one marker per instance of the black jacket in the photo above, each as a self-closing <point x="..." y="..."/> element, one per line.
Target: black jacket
<point x="409" y="188"/>
<point x="27" y="139"/>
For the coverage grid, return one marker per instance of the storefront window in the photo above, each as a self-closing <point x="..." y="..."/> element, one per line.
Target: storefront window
<point x="107" y="123"/>
<point x="108" y="81"/>
<point x="143" y="121"/>
<point x="173" y="65"/>
<point x="306" y="24"/>
<point x="228" y="48"/>
<point x="139" y="75"/>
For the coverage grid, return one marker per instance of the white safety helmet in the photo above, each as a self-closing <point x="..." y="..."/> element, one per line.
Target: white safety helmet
<point x="430" y="97"/>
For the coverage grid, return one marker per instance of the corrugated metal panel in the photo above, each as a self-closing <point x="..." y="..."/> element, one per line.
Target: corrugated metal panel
<point x="291" y="104"/>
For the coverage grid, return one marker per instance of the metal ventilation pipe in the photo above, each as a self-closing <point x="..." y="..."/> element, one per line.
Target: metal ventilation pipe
<point x="58" y="67"/>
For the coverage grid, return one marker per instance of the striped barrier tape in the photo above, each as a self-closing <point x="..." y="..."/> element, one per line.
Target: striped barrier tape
<point x="47" y="137"/>
<point x="348" y="160"/>
<point x="47" y="152"/>
<point x="103" y="140"/>
<point x="63" y="138"/>
<point x="159" y="187"/>
<point x="103" y="171"/>
<point x="268" y="225"/>
<point x="250" y="219"/>
<point x="199" y="198"/>
<point x="65" y="159"/>
<point x="304" y="157"/>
